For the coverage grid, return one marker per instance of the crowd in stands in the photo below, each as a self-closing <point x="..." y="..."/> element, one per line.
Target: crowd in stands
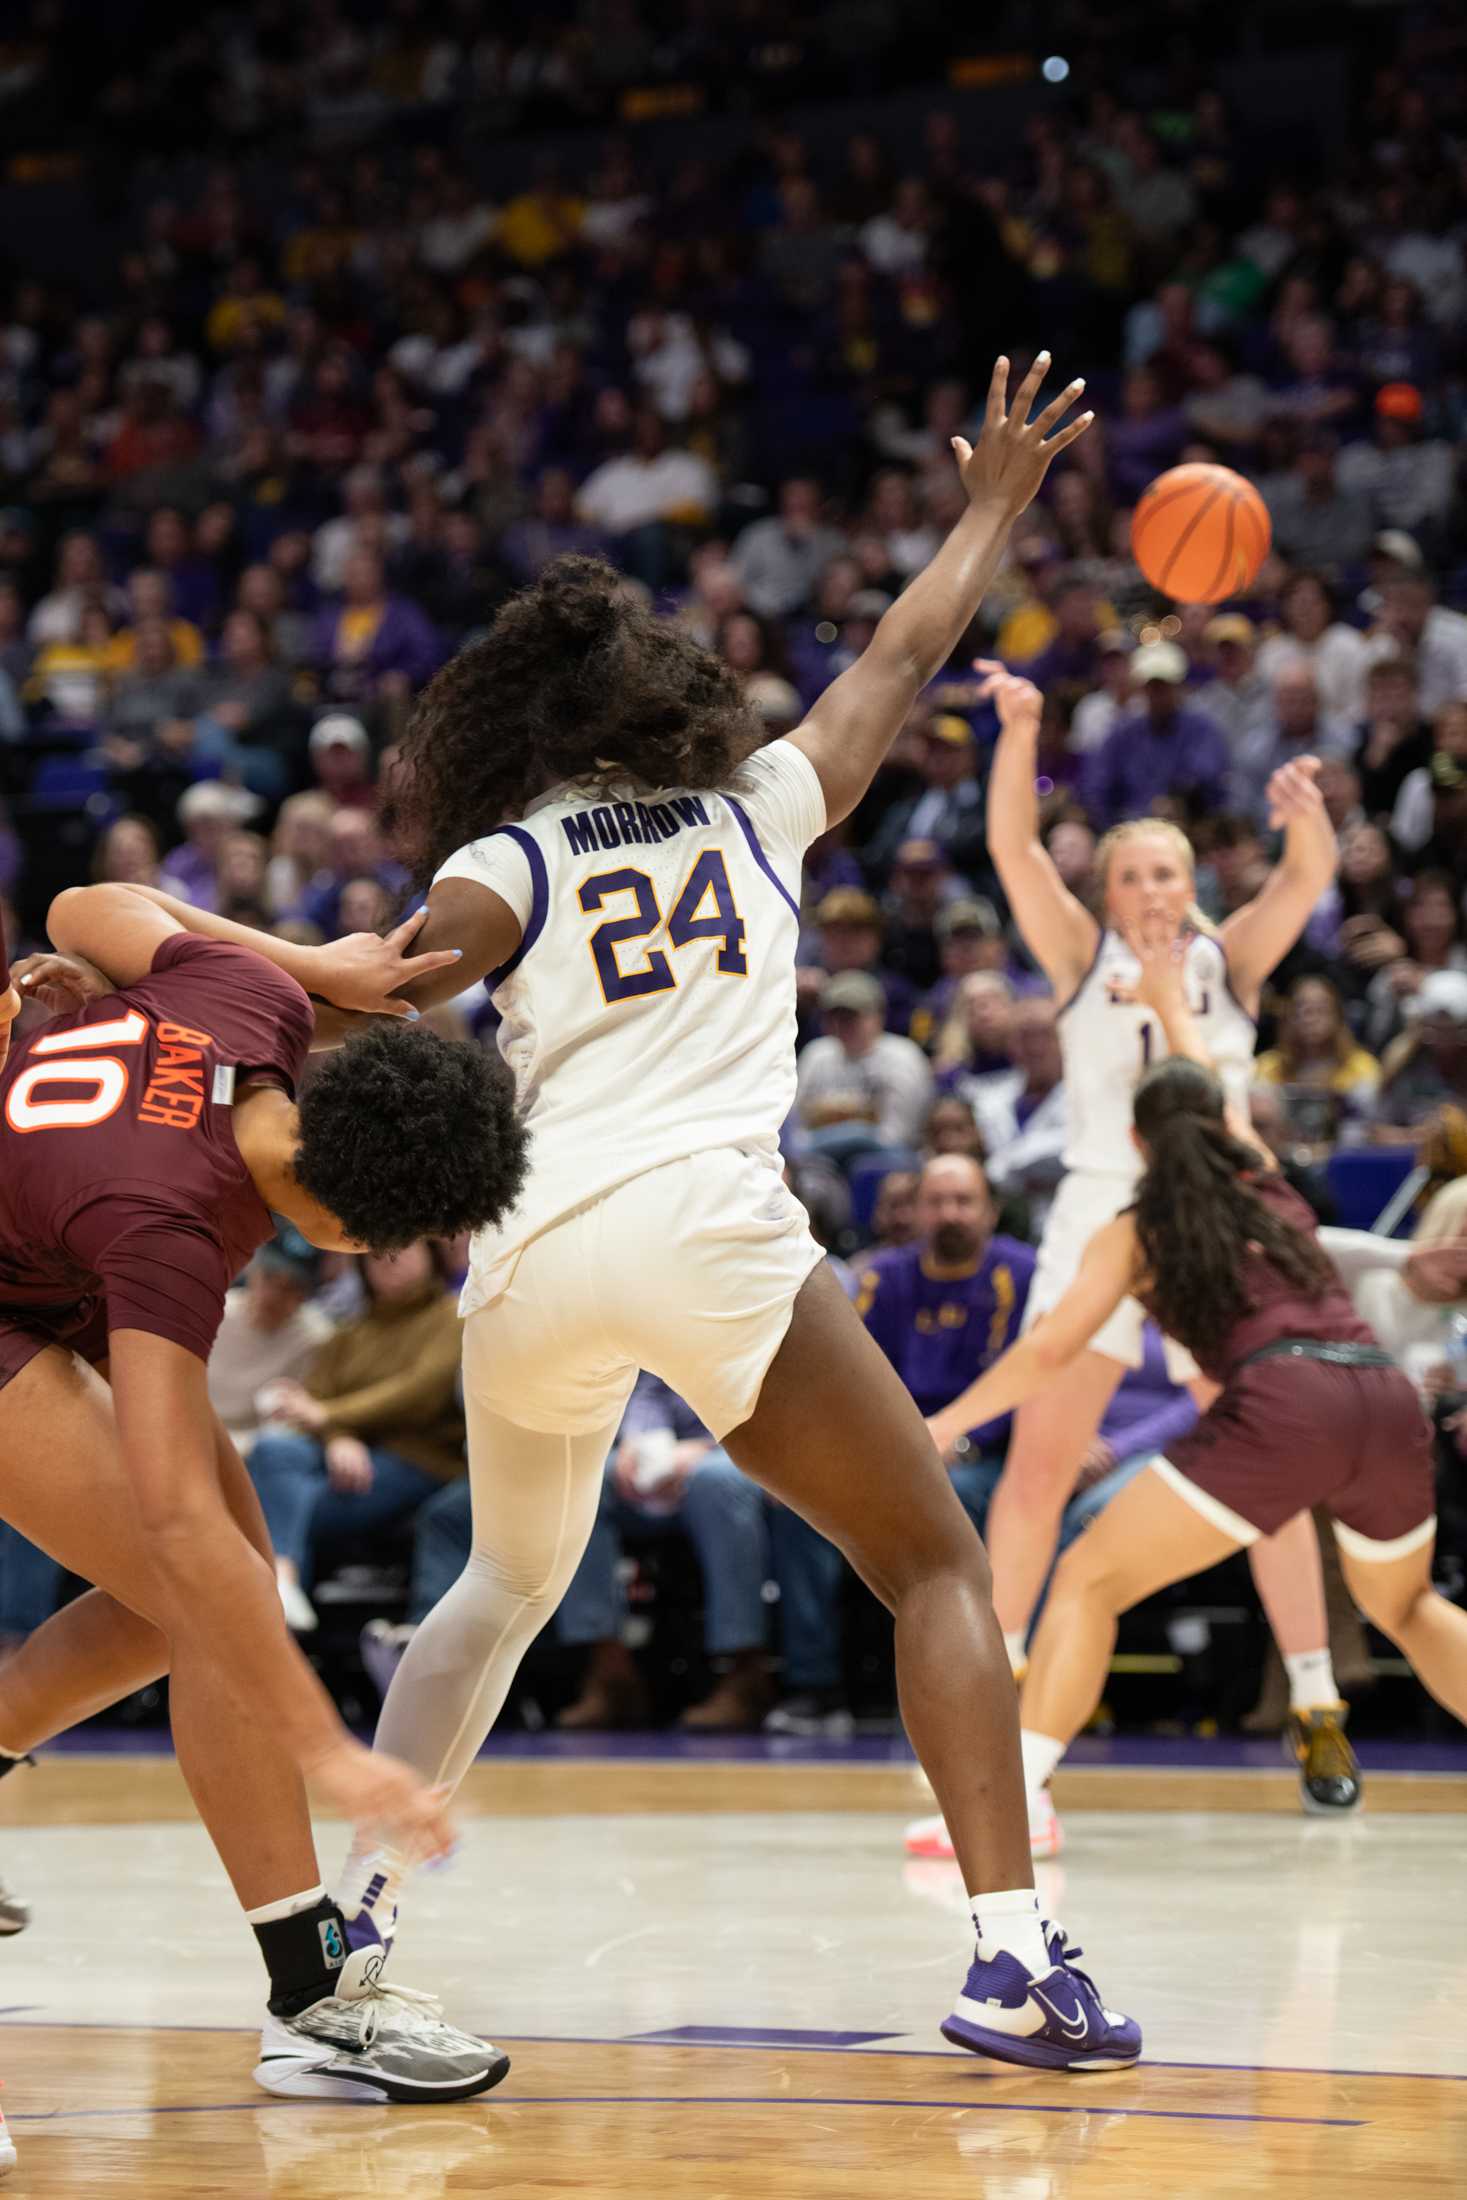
<point x="270" y="468"/>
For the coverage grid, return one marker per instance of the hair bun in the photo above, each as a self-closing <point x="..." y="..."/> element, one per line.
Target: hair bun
<point x="577" y="598"/>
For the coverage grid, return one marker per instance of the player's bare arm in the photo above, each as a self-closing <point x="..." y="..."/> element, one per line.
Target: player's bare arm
<point x="216" y="1600"/>
<point x="120" y="928"/>
<point x="1108" y="1274"/>
<point x="1161" y="986"/>
<point x="850" y="729"/>
<point x="1261" y="933"/>
<point x="1058" y="930"/>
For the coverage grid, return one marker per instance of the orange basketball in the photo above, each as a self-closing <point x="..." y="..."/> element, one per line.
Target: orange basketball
<point x="1200" y="533"/>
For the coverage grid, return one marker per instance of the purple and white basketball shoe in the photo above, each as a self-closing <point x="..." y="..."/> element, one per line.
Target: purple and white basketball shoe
<point x="1053" y="2021"/>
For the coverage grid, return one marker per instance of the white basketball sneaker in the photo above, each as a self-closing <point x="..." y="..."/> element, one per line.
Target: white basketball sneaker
<point x="371" y="2038"/>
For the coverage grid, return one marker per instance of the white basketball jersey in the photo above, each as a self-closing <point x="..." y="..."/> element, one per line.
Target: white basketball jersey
<point x="1108" y="1043"/>
<point x="649" y="1012"/>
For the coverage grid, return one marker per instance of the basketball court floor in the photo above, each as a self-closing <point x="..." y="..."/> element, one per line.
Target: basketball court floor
<point x="718" y="1977"/>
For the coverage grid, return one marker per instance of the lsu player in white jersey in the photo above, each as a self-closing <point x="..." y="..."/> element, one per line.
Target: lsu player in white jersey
<point x="613" y="850"/>
<point x="1108" y="1039"/>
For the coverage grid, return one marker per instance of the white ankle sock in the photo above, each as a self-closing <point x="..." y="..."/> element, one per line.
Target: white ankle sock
<point x="1018" y="1653"/>
<point x="1009" y="1922"/>
<point x="1311" y="1680"/>
<point x="1041" y="1754"/>
<point x="290" y="1905"/>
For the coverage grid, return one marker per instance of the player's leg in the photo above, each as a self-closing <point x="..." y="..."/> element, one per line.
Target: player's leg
<point x="1051" y="1436"/>
<point x="73" y="1498"/>
<point x="1396" y="1595"/>
<point x="1147" y="1537"/>
<point x="1288" y="1573"/>
<point x="836" y="1436"/>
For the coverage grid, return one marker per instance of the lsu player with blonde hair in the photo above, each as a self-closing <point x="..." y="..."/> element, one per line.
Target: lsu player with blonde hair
<point x="1109" y="1039"/>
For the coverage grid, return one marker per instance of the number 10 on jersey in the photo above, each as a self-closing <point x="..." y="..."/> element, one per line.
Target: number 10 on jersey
<point x="691" y="918"/>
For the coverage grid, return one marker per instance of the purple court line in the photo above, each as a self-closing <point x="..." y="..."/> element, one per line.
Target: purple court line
<point x="639" y="2039"/>
<point x="715" y="2100"/>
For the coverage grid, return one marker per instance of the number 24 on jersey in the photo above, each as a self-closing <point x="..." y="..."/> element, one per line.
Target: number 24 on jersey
<point x="704" y="910"/>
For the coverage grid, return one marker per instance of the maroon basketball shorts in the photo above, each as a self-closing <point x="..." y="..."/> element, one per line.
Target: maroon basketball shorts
<point x="27" y="1330"/>
<point x="1288" y="1434"/>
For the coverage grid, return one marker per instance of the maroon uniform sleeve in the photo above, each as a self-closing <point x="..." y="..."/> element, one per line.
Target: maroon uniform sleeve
<point x="258" y="1018"/>
<point x="162" y="1267"/>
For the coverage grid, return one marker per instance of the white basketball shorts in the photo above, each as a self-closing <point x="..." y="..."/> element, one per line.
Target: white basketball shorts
<point x="690" y="1270"/>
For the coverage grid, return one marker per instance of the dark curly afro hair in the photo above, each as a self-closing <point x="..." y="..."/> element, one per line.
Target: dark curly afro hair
<point x="576" y="681"/>
<point x="405" y="1135"/>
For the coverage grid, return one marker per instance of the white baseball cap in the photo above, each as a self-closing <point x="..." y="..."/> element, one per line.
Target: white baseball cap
<point x="1160" y="661"/>
<point x="339" y="730"/>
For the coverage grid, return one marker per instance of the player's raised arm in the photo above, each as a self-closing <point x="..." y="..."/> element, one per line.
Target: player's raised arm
<point x="858" y="717"/>
<point x="1058" y="930"/>
<point x="1259" y="935"/>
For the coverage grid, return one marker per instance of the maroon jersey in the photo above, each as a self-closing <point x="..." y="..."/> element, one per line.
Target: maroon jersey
<point x="1276" y="1306"/>
<point x="120" y="1182"/>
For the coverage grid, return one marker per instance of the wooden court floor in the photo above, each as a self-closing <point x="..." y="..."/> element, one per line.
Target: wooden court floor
<point x="723" y="1983"/>
<point x="173" y="2116"/>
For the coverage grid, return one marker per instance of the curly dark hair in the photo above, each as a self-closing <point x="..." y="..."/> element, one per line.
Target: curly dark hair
<point x="576" y="681"/>
<point x="1196" y="1220"/>
<point x="405" y="1135"/>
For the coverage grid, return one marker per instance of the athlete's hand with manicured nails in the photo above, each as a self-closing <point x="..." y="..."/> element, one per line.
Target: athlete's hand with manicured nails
<point x="364" y="972"/>
<point x="1013" y="453"/>
<point x="385" y="1800"/>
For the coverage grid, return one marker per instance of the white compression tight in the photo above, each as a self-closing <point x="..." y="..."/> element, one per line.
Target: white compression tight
<point x="535" y="1499"/>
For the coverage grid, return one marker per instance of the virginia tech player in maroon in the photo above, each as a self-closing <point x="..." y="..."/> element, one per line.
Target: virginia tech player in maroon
<point x="149" y="1132"/>
<point x="1310" y="1411"/>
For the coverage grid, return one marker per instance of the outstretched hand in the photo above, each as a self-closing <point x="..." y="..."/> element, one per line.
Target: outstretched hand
<point x="1013" y="452"/>
<point x="1293" y="792"/>
<point x="366" y="973"/>
<point x="1019" y="704"/>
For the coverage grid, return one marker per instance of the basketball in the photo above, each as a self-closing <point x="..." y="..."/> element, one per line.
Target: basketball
<point x="1200" y="533"/>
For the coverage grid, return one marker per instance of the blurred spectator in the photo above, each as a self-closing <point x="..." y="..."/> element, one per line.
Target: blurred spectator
<point x="951" y="1129"/>
<point x="270" y="1332"/>
<point x="1408" y="478"/>
<point x="127" y="854"/>
<point x="1433" y="943"/>
<point x="81" y="584"/>
<point x="372" y="643"/>
<point x="208" y="813"/>
<point x="1414" y="624"/>
<point x="849" y="938"/>
<point x="894" y="1217"/>
<point x="860" y="1087"/>
<point x="552" y="530"/>
<point x="666" y="1475"/>
<point x="1096" y="714"/>
<point x="1296" y="726"/>
<point x="1164" y="748"/>
<point x="1313" y="635"/>
<point x="1023" y="1119"/>
<point x="355" y="851"/>
<point x="634" y="498"/>
<point x="948" y="810"/>
<point x="780" y="560"/>
<point x="973" y="1044"/>
<point x="970" y="938"/>
<point x="300" y="850"/>
<point x="1393" y="740"/>
<point x="1426" y="1068"/>
<point x="1316" y="522"/>
<point x="341" y="760"/>
<point x="374" y="1429"/>
<point x="919" y="884"/>
<point x="1327" y="1082"/>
